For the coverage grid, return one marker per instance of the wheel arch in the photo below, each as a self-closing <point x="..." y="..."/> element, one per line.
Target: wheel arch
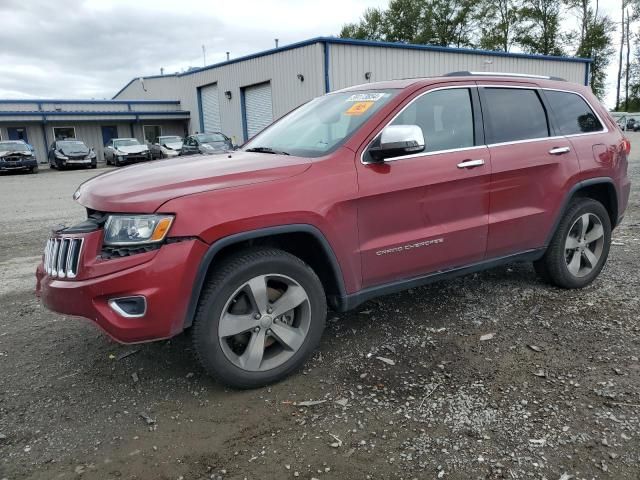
<point x="602" y="189"/>
<point x="302" y="240"/>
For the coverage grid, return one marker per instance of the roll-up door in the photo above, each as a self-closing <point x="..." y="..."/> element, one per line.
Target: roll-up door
<point x="210" y="108"/>
<point x="258" y="108"/>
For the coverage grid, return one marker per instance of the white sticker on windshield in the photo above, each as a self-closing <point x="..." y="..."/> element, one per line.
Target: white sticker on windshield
<point x="365" y="97"/>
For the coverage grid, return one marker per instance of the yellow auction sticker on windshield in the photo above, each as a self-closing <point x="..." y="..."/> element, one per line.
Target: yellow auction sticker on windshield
<point x="358" y="108"/>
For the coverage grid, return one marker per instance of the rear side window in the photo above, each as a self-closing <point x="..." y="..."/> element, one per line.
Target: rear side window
<point x="445" y="116"/>
<point x="513" y="114"/>
<point x="572" y="113"/>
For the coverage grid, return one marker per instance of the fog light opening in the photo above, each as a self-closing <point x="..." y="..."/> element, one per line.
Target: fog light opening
<point x="129" y="307"/>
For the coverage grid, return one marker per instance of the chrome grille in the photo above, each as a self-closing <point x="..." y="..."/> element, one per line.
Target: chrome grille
<point x="62" y="257"/>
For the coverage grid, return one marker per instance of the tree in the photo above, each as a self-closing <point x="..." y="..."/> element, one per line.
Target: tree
<point x="594" y="41"/>
<point x="403" y="20"/>
<point x="448" y="22"/>
<point x="370" y="26"/>
<point x="539" y="27"/>
<point x="433" y="22"/>
<point x="498" y="20"/>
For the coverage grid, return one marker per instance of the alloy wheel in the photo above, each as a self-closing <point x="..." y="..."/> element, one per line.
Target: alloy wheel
<point x="584" y="245"/>
<point x="264" y="322"/>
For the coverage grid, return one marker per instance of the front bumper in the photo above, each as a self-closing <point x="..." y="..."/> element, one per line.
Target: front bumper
<point x="18" y="164"/>
<point x="164" y="277"/>
<point x="135" y="157"/>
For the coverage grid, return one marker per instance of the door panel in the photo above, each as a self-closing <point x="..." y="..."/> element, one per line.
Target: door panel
<point x="527" y="186"/>
<point x="422" y="214"/>
<point x="18" y="133"/>
<point x="425" y="212"/>
<point x="530" y="164"/>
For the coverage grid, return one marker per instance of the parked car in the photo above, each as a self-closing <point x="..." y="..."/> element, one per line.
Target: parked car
<point x="631" y="123"/>
<point x="120" y="151"/>
<point x="359" y="193"/>
<point x="206" y="143"/>
<point x="71" y="153"/>
<point x="166" y="146"/>
<point x="17" y="155"/>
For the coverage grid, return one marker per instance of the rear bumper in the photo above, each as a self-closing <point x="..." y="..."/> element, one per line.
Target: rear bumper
<point x="166" y="281"/>
<point x="18" y="165"/>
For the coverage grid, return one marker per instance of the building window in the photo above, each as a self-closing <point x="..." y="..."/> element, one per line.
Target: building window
<point x="61" y="133"/>
<point x="151" y="132"/>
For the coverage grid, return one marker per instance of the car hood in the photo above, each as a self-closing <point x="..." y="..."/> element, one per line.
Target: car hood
<point x="145" y="187"/>
<point x="4" y="153"/>
<point x="74" y="152"/>
<point x="133" y="148"/>
<point x="173" y="145"/>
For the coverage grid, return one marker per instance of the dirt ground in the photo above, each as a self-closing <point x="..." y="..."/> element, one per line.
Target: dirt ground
<point x="554" y="394"/>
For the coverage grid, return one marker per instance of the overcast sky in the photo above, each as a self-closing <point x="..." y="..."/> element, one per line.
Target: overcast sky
<point x="91" y="48"/>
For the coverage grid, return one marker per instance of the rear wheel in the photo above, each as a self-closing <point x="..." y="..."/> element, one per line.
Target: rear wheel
<point x="259" y="318"/>
<point x="579" y="248"/>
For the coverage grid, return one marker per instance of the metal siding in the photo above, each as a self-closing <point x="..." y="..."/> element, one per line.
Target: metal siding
<point x="210" y="108"/>
<point x="258" y="108"/>
<point x="348" y="64"/>
<point x="279" y="68"/>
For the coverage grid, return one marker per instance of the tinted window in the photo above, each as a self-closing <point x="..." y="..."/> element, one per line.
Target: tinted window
<point x="514" y="114"/>
<point x="445" y="116"/>
<point x="572" y="113"/>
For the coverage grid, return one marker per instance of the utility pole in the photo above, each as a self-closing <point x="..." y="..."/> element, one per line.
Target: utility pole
<point x="626" y="82"/>
<point x="620" y="59"/>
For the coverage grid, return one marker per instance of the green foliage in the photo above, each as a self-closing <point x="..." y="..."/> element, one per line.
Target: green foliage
<point x="497" y="21"/>
<point x="538" y="29"/>
<point x="433" y="22"/>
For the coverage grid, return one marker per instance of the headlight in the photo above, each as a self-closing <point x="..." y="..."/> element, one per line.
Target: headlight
<point x="136" y="229"/>
<point x="61" y="156"/>
<point x="121" y="154"/>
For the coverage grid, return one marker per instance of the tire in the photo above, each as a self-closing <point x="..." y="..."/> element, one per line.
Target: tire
<point x="571" y="261"/>
<point x="227" y="289"/>
<point x="33" y="169"/>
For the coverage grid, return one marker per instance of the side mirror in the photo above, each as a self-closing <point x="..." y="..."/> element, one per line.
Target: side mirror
<point x="398" y="140"/>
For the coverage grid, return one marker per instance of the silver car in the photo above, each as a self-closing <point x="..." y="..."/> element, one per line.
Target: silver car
<point x="166" y="146"/>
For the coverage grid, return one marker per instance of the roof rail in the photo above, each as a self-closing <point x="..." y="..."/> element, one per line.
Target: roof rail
<point x="465" y="73"/>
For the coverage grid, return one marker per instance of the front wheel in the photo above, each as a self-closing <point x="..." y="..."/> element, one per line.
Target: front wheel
<point x="259" y="318"/>
<point x="579" y="248"/>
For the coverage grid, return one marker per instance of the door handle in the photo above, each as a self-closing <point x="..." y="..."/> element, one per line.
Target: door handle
<point x="559" y="150"/>
<point x="471" y="163"/>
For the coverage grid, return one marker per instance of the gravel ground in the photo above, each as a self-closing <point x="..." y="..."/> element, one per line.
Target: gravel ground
<point x="492" y="375"/>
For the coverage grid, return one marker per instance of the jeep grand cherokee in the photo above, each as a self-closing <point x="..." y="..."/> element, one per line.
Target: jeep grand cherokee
<point x="359" y="193"/>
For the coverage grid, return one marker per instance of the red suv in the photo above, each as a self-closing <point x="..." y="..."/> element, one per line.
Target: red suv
<point x="359" y="193"/>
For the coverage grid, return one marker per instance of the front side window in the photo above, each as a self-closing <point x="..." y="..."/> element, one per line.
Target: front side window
<point x="322" y="125"/>
<point x="572" y="113"/>
<point x="445" y="117"/>
<point x="513" y="114"/>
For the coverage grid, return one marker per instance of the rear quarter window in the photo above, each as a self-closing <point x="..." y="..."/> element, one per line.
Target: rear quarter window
<point x="572" y="114"/>
<point x="514" y="114"/>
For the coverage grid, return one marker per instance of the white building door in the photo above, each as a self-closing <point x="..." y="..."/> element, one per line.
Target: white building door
<point x="258" y="108"/>
<point x="210" y="108"/>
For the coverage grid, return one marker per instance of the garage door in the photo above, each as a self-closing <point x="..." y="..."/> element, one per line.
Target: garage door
<point x="258" y="108"/>
<point x="210" y="108"/>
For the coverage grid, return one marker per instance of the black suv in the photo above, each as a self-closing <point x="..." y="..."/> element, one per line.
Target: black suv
<point x="71" y="153"/>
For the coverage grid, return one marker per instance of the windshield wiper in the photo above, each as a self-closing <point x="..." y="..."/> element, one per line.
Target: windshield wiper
<point x="266" y="150"/>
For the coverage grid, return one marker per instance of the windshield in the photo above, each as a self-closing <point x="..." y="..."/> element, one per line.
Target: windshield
<point x="174" y="139"/>
<point x="322" y="125"/>
<point x="73" y="147"/>
<point x="126" y="142"/>
<point x="13" y="147"/>
<point x="211" y="137"/>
